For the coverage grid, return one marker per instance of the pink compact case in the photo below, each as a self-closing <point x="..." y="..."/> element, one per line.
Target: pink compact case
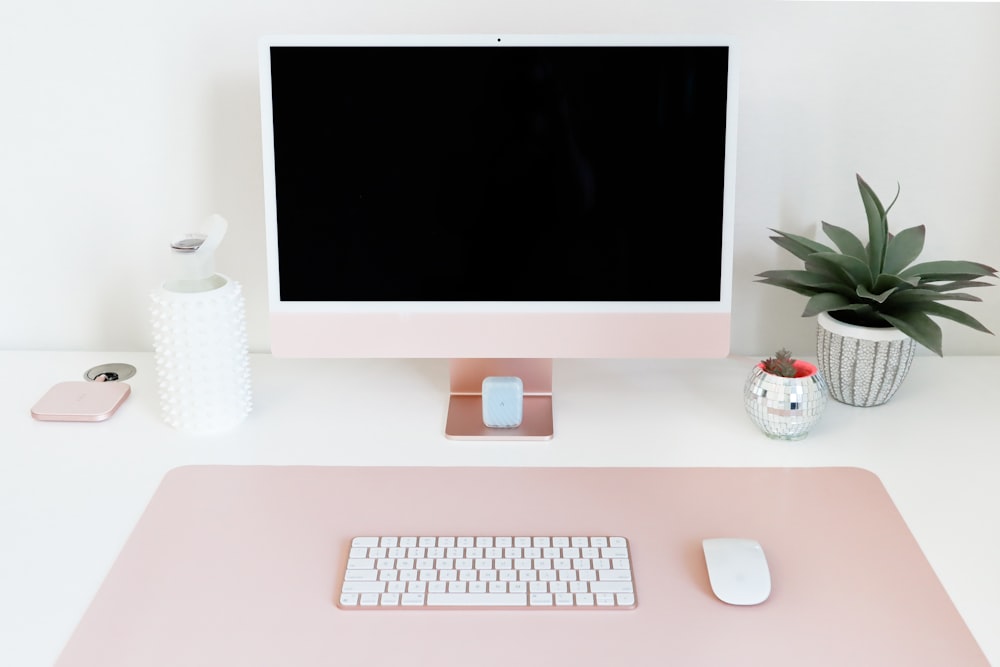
<point x="80" y="401"/>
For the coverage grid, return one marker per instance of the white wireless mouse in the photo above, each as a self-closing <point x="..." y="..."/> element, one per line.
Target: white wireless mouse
<point x="737" y="570"/>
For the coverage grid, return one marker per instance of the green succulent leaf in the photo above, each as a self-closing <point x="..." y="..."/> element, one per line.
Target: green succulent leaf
<point x="955" y="315"/>
<point x="878" y="225"/>
<point x="789" y="285"/>
<point x="949" y="270"/>
<point x="904" y="248"/>
<point x="921" y="295"/>
<point x="828" y="270"/>
<point x="806" y="291"/>
<point x="847" y="242"/>
<point x="820" y="303"/>
<point x="914" y="323"/>
<point x="887" y="281"/>
<point x="931" y="279"/>
<point x="954" y="285"/>
<point x="918" y="326"/>
<point x="856" y="269"/>
<point x="878" y="298"/>
<point x="803" y="282"/>
<point x="799" y="246"/>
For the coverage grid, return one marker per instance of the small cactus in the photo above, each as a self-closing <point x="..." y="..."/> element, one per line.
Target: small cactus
<point x="781" y="364"/>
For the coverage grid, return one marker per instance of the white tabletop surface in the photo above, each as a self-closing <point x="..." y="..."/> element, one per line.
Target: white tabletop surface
<point x="70" y="493"/>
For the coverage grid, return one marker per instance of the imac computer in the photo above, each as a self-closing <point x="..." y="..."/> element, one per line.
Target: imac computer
<point x="499" y="201"/>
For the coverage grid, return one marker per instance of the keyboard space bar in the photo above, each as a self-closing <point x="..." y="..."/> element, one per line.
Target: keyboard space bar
<point x="477" y="599"/>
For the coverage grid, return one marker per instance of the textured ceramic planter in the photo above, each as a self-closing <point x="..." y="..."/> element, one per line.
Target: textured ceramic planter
<point x="785" y="408"/>
<point x="863" y="366"/>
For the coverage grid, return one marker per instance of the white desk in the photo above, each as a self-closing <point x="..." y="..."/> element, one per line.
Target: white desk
<point x="70" y="493"/>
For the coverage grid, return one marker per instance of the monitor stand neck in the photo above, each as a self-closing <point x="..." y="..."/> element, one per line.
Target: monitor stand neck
<point x="465" y="408"/>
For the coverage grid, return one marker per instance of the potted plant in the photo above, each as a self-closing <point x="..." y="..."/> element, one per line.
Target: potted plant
<point x="872" y="302"/>
<point x="785" y="397"/>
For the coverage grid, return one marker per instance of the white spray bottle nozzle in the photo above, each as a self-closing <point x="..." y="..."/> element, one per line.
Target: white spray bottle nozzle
<point x="194" y="256"/>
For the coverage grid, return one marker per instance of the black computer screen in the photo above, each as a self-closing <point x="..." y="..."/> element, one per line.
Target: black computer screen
<point x="506" y="173"/>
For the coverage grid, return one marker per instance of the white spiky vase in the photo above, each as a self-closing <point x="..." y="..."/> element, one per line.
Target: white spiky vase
<point x="200" y="341"/>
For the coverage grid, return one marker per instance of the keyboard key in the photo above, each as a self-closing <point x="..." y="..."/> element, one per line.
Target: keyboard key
<point x="364" y="587"/>
<point x="611" y="587"/>
<point x="476" y="599"/>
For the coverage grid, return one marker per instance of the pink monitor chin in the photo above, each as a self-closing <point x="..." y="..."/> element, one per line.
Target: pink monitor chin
<point x="501" y="335"/>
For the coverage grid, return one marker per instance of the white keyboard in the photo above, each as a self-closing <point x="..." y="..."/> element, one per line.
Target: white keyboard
<point x="488" y="572"/>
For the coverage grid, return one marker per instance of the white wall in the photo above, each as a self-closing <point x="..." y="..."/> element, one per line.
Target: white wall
<point x="123" y="124"/>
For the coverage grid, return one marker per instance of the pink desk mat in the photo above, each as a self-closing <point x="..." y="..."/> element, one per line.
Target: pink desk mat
<point x="239" y="565"/>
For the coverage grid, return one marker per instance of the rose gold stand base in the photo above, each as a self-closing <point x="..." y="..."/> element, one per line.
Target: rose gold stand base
<point x="465" y="408"/>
